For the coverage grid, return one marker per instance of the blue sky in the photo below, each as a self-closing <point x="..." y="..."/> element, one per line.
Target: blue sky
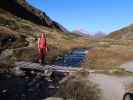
<point x="90" y="15"/>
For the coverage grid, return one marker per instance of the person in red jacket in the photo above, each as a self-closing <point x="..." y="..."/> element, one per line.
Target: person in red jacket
<point x="42" y="48"/>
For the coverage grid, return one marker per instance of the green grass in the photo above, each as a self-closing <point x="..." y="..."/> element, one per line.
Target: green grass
<point x="121" y="72"/>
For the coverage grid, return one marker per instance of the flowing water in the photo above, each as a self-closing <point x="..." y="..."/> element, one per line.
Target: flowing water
<point x="73" y="59"/>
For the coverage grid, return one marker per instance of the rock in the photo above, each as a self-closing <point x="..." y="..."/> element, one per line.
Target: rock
<point x="6" y="53"/>
<point x="31" y="41"/>
<point x="16" y="71"/>
<point x="4" y="91"/>
<point x="53" y="98"/>
<point x="6" y="58"/>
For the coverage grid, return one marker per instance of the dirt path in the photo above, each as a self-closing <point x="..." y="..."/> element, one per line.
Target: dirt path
<point x="113" y="87"/>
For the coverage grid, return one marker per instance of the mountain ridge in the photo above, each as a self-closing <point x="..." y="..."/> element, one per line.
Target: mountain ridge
<point x="23" y="9"/>
<point x="123" y="33"/>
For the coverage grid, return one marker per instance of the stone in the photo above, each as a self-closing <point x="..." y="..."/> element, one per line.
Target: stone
<point x="53" y="98"/>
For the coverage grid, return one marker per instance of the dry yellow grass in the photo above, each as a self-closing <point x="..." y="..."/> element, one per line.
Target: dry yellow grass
<point x="109" y="54"/>
<point x="79" y="89"/>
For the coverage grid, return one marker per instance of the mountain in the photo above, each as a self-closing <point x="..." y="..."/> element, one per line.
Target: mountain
<point x="85" y="33"/>
<point x="124" y="33"/>
<point x="99" y="35"/>
<point x="82" y="32"/>
<point x="24" y="10"/>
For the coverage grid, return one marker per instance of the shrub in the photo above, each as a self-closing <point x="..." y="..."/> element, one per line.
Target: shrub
<point x="75" y="89"/>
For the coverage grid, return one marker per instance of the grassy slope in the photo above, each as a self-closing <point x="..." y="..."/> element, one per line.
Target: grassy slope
<point x="124" y="33"/>
<point x="109" y="54"/>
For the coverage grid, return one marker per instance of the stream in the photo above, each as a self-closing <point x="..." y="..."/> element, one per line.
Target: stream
<point x="74" y="59"/>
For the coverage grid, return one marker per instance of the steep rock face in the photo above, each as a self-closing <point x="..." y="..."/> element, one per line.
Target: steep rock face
<point x="24" y="10"/>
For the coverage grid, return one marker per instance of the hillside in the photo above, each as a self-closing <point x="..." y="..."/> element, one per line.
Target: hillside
<point x="24" y="10"/>
<point x="124" y="33"/>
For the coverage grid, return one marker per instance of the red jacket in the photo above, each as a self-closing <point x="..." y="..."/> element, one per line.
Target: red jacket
<point x="42" y="42"/>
